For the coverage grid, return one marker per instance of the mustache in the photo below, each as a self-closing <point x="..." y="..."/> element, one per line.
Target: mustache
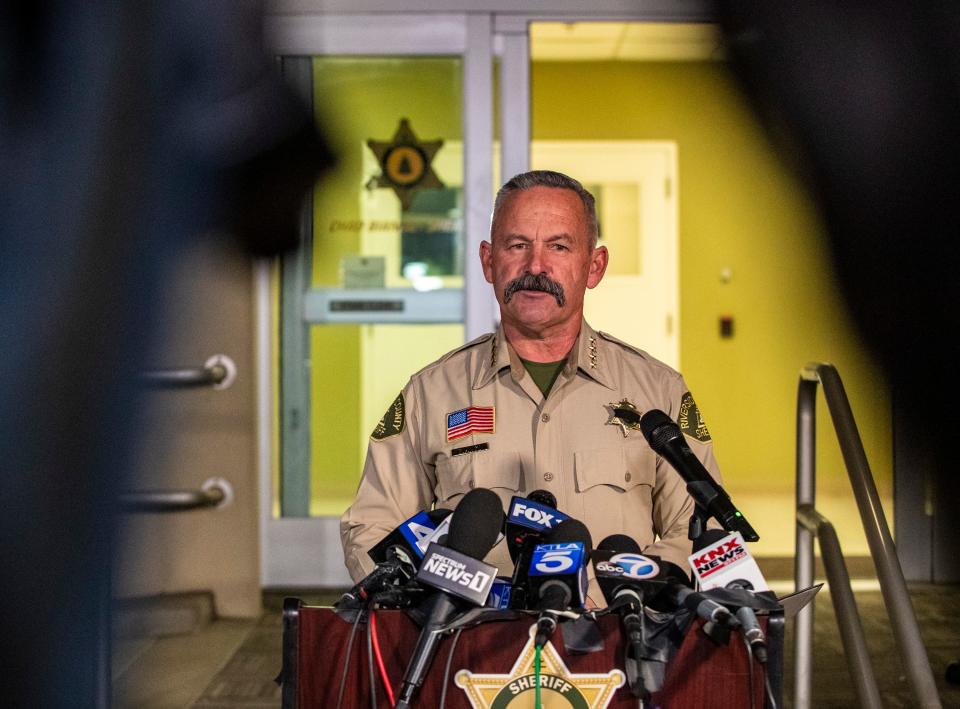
<point x="539" y="282"/>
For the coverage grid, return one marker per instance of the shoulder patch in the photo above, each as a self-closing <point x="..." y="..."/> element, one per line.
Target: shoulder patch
<point x="691" y="420"/>
<point x="392" y="422"/>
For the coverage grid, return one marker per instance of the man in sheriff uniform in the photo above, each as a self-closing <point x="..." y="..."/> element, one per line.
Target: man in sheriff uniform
<point x="546" y="402"/>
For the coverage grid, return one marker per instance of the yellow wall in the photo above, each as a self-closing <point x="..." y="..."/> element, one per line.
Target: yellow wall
<point x="739" y="209"/>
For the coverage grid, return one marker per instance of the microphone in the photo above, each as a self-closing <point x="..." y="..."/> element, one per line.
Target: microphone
<point x="456" y="571"/>
<point x="708" y="539"/>
<point x="536" y="513"/>
<point x="557" y="574"/>
<point x="397" y="556"/>
<point x="385" y="575"/>
<point x="620" y="568"/>
<point x="752" y="631"/>
<point x="544" y="497"/>
<point x="725" y="569"/>
<point x="670" y="589"/>
<point x="501" y="594"/>
<point x="409" y="538"/>
<point x="528" y="520"/>
<point x="719" y="558"/>
<point x="702" y="605"/>
<point x="666" y="439"/>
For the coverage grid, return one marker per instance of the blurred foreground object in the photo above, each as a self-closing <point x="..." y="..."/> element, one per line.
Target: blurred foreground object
<point x="863" y="99"/>
<point x="125" y="131"/>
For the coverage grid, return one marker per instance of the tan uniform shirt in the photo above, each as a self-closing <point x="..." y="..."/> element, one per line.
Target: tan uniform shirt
<point x="568" y="443"/>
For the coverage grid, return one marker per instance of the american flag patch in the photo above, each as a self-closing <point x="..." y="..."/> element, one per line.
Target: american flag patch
<point x="476" y="419"/>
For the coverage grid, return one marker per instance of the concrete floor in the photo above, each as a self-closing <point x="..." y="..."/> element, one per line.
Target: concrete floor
<point x="230" y="664"/>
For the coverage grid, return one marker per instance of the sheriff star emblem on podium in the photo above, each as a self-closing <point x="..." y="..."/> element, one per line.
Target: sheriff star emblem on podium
<point x="559" y="688"/>
<point x="405" y="164"/>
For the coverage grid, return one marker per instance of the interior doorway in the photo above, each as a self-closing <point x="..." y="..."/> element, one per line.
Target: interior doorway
<point x="634" y="183"/>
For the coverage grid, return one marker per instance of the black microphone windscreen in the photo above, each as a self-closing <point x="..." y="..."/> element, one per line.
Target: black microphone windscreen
<point x="476" y="523"/>
<point x="543" y="497"/>
<point x="671" y="572"/>
<point x="570" y="530"/>
<point x="619" y="543"/>
<point x="657" y="428"/>
<point x="708" y="537"/>
<point x="438" y="515"/>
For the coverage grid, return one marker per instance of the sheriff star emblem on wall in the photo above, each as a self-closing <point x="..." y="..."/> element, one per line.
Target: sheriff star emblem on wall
<point x="405" y="164"/>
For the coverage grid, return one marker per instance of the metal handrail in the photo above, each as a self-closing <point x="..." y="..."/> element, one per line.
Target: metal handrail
<point x="218" y="371"/>
<point x="810" y="522"/>
<point x="215" y="492"/>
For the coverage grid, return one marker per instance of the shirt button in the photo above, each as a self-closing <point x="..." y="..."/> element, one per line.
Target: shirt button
<point x="548" y="476"/>
<point x="627" y="477"/>
<point x="471" y="483"/>
<point x="545" y="418"/>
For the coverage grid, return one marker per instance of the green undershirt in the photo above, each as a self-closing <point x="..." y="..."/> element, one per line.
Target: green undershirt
<point x="544" y="374"/>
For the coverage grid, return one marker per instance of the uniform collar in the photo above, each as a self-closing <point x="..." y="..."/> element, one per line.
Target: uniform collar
<point x="497" y="355"/>
<point x="586" y="356"/>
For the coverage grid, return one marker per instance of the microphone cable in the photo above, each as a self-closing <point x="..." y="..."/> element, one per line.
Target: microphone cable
<point x="770" y="697"/>
<point x="446" y="669"/>
<point x="379" y="658"/>
<point x="346" y="663"/>
<point x="373" y="676"/>
<point x="536" y="675"/>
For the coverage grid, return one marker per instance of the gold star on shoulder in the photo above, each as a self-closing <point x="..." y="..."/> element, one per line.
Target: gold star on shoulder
<point x="625" y="415"/>
<point x="558" y="686"/>
<point x="405" y="164"/>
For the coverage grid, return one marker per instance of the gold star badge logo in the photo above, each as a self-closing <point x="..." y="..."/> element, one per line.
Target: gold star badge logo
<point x="559" y="688"/>
<point x="625" y="415"/>
<point x="405" y="162"/>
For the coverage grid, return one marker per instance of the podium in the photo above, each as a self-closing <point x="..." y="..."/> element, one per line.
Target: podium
<point x="490" y="663"/>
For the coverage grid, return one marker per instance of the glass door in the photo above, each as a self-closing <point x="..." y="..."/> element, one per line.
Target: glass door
<point x="382" y="284"/>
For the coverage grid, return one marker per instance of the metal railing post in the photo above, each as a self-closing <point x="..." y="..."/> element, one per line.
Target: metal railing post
<point x="803" y="561"/>
<point x="845" y="608"/>
<point x="809" y="522"/>
<point x="896" y="598"/>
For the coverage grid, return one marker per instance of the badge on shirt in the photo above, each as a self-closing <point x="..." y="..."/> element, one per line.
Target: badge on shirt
<point x="625" y="415"/>
<point x="691" y="420"/>
<point x="474" y="419"/>
<point x="392" y="422"/>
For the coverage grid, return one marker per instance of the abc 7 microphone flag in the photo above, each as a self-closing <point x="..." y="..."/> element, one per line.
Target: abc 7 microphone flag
<point x="629" y="565"/>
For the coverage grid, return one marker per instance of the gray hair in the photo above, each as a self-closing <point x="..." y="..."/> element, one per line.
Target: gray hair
<point x="556" y="180"/>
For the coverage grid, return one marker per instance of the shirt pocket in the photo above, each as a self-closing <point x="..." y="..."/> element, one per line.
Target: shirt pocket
<point x="500" y="472"/>
<point x="623" y="468"/>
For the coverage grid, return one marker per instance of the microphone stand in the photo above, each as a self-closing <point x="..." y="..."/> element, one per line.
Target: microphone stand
<point x="698" y="525"/>
<point x="631" y="615"/>
<point x="707" y="494"/>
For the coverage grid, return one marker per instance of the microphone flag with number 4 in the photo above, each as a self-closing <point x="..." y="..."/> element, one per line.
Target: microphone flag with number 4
<point x="411" y="536"/>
